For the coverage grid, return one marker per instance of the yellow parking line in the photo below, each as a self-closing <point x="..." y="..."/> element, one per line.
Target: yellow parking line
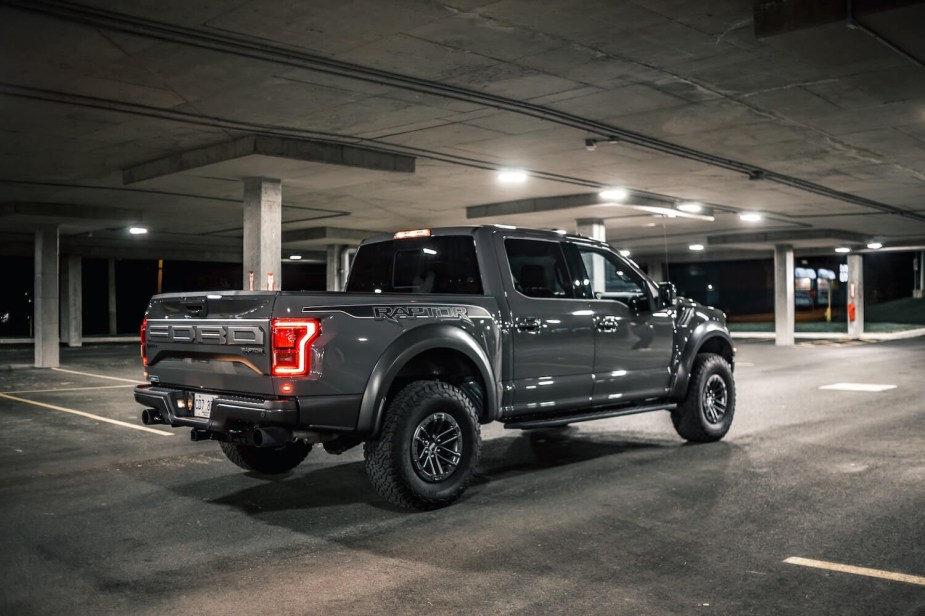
<point x="100" y="376"/>
<point x="874" y="573"/>
<point x="88" y="415"/>
<point x="50" y="391"/>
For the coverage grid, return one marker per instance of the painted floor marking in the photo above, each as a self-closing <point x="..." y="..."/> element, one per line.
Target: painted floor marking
<point x="51" y="391"/>
<point x="874" y="573"/>
<point x="89" y="415"/>
<point x="100" y="376"/>
<point x="873" y="387"/>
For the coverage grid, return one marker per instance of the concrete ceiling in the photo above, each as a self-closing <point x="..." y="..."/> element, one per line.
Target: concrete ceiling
<point x="818" y="126"/>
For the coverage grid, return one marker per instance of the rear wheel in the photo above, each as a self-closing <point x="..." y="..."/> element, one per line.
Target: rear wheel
<point x="267" y="460"/>
<point x="428" y="449"/>
<point x="706" y="413"/>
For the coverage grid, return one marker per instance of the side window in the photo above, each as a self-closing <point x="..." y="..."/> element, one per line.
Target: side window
<point x="538" y="268"/>
<point x="610" y="278"/>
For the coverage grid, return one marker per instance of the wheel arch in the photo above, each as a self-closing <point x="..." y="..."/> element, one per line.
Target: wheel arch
<point x="441" y="352"/>
<point x="708" y="337"/>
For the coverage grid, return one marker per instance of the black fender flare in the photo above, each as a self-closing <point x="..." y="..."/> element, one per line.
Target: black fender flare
<point x="701" y="334"/>
<point x="408" y="346"/>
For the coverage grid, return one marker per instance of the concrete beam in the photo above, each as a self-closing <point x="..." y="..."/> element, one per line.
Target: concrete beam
<point x="779" y="16"/>
<point x="282" y="147"/>
<point x="529" y="206"/>
<point x="644" y="202"/>
<point x="788" y="237"/>
<point x="62" y="212"/>
<point x="334" y="234"/>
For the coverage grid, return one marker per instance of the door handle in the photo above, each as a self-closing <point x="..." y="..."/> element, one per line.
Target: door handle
<point x="530" y="324"/>
<point x="608" y="324"/>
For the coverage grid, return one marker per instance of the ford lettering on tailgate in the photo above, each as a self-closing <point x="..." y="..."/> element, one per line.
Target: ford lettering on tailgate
<point x="206" y="334"/>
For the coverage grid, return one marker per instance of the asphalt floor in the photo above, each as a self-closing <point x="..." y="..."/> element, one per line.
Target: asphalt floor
<point x="813" y="504"/>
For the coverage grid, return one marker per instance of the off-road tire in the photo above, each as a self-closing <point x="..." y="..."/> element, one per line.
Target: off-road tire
<point x="423" y="408"/>
<point x="267" y="460"/>
<point x="706" y="412"/>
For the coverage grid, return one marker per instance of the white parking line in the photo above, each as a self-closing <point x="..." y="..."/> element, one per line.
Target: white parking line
<point x="88" y="415"/>
<point x="100" y="376"/>
<point x="51" y="391"/>
<point x="872" y="387"/>
<point x="874" y="573"/>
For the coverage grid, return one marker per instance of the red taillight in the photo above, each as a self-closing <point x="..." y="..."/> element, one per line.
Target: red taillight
<point x="292" y="339"/>
<point x="144" y="352"/>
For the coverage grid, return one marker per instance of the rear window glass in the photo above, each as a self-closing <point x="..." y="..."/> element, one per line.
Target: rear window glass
<point x="442" y="264"/>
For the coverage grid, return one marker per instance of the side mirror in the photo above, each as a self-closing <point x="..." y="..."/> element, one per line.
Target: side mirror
<point x="667" y="293"/>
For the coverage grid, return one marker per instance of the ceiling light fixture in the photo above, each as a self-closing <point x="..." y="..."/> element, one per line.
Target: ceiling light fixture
<point x="875" y="245"/>
<point x="750" y="217"/>
<point x="696" y="247"/>
<point x="137" y="230"/>
<point x="295" y="257"/>
<point x="842" y="250"/>
<point x="615" y="193"/>
<point x="512" y="176"/>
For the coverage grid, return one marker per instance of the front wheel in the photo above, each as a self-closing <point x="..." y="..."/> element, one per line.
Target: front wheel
<point x="428" y="449"/>
<point x="706" y="413"/>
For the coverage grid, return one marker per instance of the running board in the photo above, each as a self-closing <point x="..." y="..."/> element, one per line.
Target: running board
<point x="562" y="420"/>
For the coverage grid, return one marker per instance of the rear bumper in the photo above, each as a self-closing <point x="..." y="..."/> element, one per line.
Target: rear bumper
<point x="325" y="413"/>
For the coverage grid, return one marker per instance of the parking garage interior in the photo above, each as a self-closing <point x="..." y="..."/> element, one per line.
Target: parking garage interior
<point x="766" y="157"/>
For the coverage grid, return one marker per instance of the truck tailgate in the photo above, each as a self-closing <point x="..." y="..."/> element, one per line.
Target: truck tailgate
<point x="215" y="341"/>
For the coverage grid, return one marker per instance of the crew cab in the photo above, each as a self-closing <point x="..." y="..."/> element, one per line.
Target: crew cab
<point x="438" y="332"/>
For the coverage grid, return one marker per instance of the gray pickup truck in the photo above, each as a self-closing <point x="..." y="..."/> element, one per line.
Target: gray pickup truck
<point x="438" y="331"/>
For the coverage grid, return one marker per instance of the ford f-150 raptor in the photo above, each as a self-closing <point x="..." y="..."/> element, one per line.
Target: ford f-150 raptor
<point x="437" y="332"/>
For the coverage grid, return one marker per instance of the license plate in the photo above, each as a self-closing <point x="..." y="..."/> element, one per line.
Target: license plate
<point x="202" y="405"/>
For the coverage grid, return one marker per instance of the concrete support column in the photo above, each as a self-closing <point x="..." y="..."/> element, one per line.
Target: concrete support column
<point x="72" y="302"/>
<point x="263" y="209"/>
<point x="45" y="316"/>
<point x="918" y="285"/>
<point x="113" y="314"/>
<point x="856" y="295"/>
<point x="335" y="273"/>
<point x="656" y="270"/>
<point x="595" y="229"/>
<point x="783" y="295"/>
